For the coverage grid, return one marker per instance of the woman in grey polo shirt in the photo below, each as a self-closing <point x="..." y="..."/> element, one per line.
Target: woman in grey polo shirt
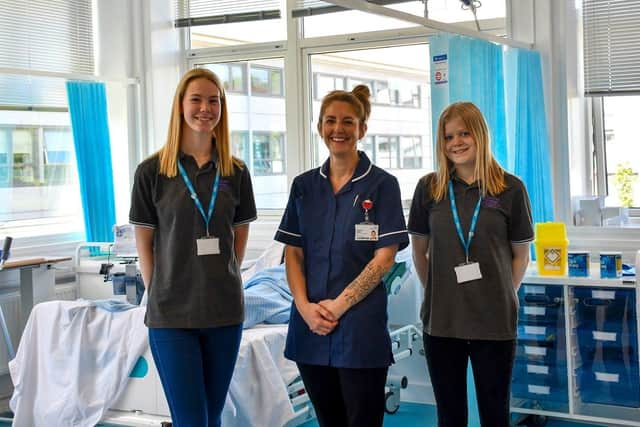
<point x="470" y="223"/>
<point x="191" y="204"/>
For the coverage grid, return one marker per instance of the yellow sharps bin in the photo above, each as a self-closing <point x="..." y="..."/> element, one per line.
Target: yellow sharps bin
<point x="551" y="248"/>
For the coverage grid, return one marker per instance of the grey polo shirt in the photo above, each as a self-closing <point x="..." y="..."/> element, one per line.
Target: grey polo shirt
<point x="187" y="290"/>
<point x="481" y="309"/>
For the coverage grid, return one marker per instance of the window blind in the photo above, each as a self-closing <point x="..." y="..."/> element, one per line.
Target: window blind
<point x="190" y="13"/>
<point x="611" y="30"/>
<point x="316" y="7"/>
<point x="43" y="36"/>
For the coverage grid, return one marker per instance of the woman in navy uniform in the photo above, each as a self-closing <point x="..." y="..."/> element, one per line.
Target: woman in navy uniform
<point x="470" y="225"/>
<point x="342" y="227"/>
<point x="191" y="205"/>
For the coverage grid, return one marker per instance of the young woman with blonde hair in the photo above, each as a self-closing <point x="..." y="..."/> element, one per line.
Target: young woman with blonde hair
<point x="191" y="206"/>
<point x="470" y="226"/>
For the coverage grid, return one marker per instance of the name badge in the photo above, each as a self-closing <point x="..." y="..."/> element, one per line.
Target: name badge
<point x="468" y="272"/>
<point x="367" y="232"/>
<point x="208" y="246"/>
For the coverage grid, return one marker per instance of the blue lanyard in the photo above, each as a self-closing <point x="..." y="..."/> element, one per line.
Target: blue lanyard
<point x="456" y="220"/>
<point x="196" y="199"/>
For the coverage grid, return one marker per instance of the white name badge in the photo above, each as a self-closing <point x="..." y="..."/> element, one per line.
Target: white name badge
<point x="367" y="232"/>
<point x="468" y="272"/>
<point x="208" y="246"/>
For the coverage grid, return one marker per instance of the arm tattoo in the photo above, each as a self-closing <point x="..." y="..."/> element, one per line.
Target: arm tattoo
<point x="362" y="285"/>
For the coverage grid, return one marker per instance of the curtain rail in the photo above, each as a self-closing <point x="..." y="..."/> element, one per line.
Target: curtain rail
<point x="364" y="6"/>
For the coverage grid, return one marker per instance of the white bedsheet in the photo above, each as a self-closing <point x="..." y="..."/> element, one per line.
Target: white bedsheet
<point x="74" y="360"/>
<point x="72" y="363"/>
<point x="258" y="394"/>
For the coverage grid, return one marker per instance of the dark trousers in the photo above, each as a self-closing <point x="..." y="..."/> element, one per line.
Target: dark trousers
<point x="195" y="368"/>
<point x="492" y="364"/>
<point x="345" y="397"/>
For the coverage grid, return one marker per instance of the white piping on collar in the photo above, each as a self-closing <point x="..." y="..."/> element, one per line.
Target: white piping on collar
<point x="364" y="174"/>
<point x="353" y="179"/>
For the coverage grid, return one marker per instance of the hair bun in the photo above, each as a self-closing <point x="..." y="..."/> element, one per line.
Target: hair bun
<point x="363" y="93"/>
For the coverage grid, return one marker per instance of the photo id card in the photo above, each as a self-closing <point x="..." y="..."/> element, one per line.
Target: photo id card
<point x="367" y="232"/>
<point x="468" y="272"/>
<point x="208" y="246"/>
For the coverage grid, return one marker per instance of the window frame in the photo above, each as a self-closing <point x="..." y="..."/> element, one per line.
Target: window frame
<point x="300" y="83"/>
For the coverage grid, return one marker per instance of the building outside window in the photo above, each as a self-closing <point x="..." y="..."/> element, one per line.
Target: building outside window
<point x="234" y="76"/>
<point x="266" y="81"/>
<point x="268" y="153"/>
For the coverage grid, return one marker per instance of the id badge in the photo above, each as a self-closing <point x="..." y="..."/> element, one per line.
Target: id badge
<point x="468" y="272"/>
<point x="367" y="232"/>
<point x="208" y="246"/>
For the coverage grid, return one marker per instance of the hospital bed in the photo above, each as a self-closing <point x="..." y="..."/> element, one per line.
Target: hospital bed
<point x="265" y="389"/>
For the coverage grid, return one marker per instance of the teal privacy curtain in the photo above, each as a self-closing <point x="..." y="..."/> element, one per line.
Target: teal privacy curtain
<point x="88" y="111"/>
<point x="527" y="133"/>
<point x="507" y="87"/>
<point x="468" y="69"/>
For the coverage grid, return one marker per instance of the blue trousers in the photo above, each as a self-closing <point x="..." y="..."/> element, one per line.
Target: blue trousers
<point x="195" y="368"/>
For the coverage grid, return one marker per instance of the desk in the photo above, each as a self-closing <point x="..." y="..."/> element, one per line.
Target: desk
<point x="37" y="281"/>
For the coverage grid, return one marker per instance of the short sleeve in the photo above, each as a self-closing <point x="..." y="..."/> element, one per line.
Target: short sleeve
<point x="521" y="223"/>
<point x="392" y="228"/>
<point x="246" y="210"/>
<point x="289" y="229"/>
<point x="143" y="210"/>
<point x="419" y="214"/>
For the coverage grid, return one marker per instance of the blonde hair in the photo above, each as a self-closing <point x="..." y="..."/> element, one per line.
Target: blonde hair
<point x="487" y="170"/>
<point x="168" y="154"/>
<point x="358" y="98"/>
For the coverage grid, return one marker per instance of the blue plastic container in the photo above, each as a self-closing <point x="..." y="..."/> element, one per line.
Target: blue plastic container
<point x="578" y="262"/>
<point x="610" y="265"/>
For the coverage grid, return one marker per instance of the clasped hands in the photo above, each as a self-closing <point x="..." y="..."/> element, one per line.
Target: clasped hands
<point x="322" y="317"/>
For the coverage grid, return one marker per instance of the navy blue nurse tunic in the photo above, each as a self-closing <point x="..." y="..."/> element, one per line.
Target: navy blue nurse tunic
<point x="323" y="225"/>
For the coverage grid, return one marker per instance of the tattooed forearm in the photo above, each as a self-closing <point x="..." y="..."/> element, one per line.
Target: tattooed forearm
<point x="364" y="283"/>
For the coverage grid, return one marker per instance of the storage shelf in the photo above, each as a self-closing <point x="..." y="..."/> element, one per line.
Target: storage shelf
<point x="570" y="318"/>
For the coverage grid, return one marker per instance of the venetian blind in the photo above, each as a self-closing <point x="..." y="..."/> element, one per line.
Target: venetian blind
<point x="43" y="36"/>
<point x="611" y="46"/>
<point x="190" y="13"/>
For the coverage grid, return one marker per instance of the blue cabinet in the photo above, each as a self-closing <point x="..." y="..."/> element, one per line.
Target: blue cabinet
<point x="607" y="341"/>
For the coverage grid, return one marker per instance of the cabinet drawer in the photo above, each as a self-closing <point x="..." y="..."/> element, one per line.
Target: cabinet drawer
<point x="612" y="383"/>
<point x="539" y="392"/>
<point x="539" y="373"/>
<point x="608" y="309"/>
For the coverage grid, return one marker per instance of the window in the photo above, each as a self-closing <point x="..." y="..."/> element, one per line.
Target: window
<point x="325" y="83"/>
<point x="268" y="153"/>
<point x="411" y="152"/>
<point x="38" y="176"/>
<point x="397" y="136"/>
<point x="257" y="126"/>
<point x="266" y="81"/>
<point x="230" y="23"/>
<point x="240" y="145"/>
<point x="233" y="76"/>
<point x="387" y="151"/>
<point x="621" y="147"/>
<point x="491" y="15"/>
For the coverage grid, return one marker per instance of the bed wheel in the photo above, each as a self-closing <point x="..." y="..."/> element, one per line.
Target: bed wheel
<point x="166" y="424"/>
<point x="391" y="402"/>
